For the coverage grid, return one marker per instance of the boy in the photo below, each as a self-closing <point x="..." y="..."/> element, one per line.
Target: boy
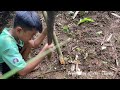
<point x="15" y="43"/>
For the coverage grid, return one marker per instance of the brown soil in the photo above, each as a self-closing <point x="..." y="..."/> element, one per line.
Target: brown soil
<point x="95" y="63"/>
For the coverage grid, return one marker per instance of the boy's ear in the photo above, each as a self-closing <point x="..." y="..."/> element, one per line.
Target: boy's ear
<point x="18" y="29"/>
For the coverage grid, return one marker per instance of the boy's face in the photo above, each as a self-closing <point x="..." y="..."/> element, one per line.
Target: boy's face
<point x="26" y="35"/>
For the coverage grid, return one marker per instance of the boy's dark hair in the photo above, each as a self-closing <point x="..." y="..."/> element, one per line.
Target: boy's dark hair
<point x="28" y="19"/>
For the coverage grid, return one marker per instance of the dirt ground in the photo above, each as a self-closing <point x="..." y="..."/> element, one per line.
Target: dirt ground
<point x="93" y="52"/>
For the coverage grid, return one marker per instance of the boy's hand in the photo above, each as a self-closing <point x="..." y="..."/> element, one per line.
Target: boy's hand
<point x="46" y="47"/>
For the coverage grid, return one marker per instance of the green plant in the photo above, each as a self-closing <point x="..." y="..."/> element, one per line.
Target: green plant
<point x="85" y="20"/>
<point x="78" y="49"/>
<point x="99" y="32"/>
<point x="66" y="29"/>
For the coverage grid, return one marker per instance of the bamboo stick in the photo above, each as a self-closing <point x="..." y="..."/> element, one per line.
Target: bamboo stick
<point x="50" y="24"/>
<point x="55" y="40"/>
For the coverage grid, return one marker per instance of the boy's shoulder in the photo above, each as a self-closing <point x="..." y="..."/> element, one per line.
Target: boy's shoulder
<point x="5" y="36"/>
<point x="6" y="40"/>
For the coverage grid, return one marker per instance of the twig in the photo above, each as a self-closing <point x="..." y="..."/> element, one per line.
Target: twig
<point x="75" y="14"/>
<point x="115" y="73"/>
<point x="108" y="39"/>
<point x="103" y="41"/>
<point x="116" y="15"/>
<point x="115" y="54"/>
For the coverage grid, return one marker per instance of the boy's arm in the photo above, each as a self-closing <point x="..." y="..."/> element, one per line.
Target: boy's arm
<point x="35" y="43"/>
<point x="30" y="66"/>
<point x="25" y="51"/>
<point x="13" y="59"/>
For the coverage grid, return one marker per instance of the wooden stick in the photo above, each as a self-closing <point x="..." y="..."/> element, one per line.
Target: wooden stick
<point x="50" y="24"/>
<point x="116" y="15"/>
<point x="55" y="40"/>
<point x="75" y="14"/>
<point x="115" y="74"/>
<point x="58" y="49"/>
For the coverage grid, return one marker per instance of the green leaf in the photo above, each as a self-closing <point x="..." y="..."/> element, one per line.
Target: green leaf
<point x="66" y="58"/>
<point x="99" y="32"/>
<point x="78" y="49"/>
<point x="85" y="20"/>
<point x="66" y="29"/>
